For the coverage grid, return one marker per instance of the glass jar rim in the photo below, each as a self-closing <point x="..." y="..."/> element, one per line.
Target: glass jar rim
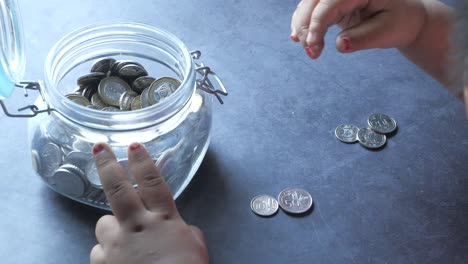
<point x="129" y="120"/>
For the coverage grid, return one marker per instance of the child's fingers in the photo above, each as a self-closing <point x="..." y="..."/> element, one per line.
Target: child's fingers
<point x="106" y="229"/>
<point x="97" y="255"/>
<point x="124" y="200"/>
<point x="152" y="187"/>
<point x="369" y="34"/>
<point x="325" y="14"/>
<point x="301" y="18"/>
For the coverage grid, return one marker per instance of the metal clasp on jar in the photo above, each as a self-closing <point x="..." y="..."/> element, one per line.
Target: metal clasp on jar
<point x="204" y="83"/>
<point x="34" y="110"/>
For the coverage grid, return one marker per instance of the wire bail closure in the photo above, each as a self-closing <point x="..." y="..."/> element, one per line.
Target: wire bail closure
<point x="34" y="110"/>
<point x="205" y="83"/>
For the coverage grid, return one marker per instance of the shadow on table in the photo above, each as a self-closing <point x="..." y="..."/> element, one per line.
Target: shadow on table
<point x="207" y="181"/>
<point x="62" y="205"/>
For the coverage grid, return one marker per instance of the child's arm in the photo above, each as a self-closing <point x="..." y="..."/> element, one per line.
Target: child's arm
<point x="433" y="49"/>
<point x="420" y="29"/>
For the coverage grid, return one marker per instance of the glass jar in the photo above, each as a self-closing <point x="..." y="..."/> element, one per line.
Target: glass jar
<point x="176" y="131"/>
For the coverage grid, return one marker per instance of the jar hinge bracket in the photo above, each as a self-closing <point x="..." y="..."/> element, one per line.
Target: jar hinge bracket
<point x="204" y="83"/>
<point x="33" y="86"/>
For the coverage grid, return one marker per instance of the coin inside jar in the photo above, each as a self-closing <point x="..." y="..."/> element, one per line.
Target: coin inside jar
<point x="91" y="78"/>
<point x="141" y="83"/>
<point x="131" y="72"/>
<point x="103" y="65"/>
<point x="96" y="100"/>
<point x="111" y="109"/>
<point x="114" y="71"/>
<point x="79" y="99"/>
<point x="110" y="90"/>
<point x="161" y="89"/>
<point x="70" y="180"/>
<point x="136" y="103"/>
<point x="126" y="100"/>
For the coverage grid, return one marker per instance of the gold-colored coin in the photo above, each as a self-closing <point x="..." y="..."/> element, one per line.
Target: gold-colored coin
<point x="79" y="99"/>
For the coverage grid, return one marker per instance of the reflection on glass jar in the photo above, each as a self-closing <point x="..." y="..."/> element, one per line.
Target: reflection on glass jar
<point x="176" y="131"/>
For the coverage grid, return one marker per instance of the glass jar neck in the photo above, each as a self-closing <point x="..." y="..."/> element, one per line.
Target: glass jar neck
<point x="116" y="39"/>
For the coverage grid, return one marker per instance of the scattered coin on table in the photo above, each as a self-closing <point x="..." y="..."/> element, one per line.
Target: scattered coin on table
<point x="347" y="133"/>
<point x="295" y="200"/>
<point x="381" y="123"/>
<point x="264" y="205"/>
<point x="372" y="137"/>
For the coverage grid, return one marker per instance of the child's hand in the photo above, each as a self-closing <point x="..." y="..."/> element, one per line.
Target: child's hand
<point x="366" y="23"/>
<point x="147" y="227"/>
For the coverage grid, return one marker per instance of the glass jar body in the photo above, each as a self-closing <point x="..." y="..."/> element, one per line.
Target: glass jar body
<point x="175" y="131"/>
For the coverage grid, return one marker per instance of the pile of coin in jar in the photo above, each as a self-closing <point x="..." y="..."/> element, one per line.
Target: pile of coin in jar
<point x="121" y="85"/>
<point x="373" y="136"/>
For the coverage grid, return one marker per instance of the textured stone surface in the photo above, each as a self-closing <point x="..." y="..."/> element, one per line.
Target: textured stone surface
<point x="407" y="203"/>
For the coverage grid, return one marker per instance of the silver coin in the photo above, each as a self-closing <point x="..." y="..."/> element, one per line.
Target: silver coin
<point x="51" y="158"/>
<point x="140" y="84"/>
<point x="78" y="90"/>
<point x="96" y="100"/>
<point x="125" y="100"/>
<point x="36" y="161"/>
<point x="264" y="205"/>
<point x="92" y="194"/>
<point x="78" y="159"/>
<point x="144" y="98"/>
<point x="79" y="99"/>
<point x="111" y="109"/>
<point x="92" y="173"/>
<point x="70" y="180"/>
<point x="91" y="78"/>
<point x="82" y="146"/>
<point x="136" y="103"/>
<point x="103" y="65"/>
<point x="111" y="88"/>
<point x="161" y="89"/>
<point x="295" y="201"/>
<point x="382" y="123"/>
<point x="347" y="133"/>
<point x="131" y="72"/>
<point x="59" y="133"/>
<point x="95" y="107"/>
<point x="370" y="139"/>
<point x="114" y="71"/>
<point x="89" y="91"/>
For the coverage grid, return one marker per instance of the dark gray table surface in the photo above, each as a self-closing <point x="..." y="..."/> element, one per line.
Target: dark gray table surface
<point x="407" y="203"/>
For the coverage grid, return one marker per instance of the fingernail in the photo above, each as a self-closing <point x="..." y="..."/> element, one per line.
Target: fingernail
<point x="135" y="146"/>
<point x="346" y="44"/>
<point x="294" y="38"/>
<point x="98" y="148"/>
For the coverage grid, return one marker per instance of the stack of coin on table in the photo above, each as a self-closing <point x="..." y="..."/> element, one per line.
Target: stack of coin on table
<point x="121" y="86"/>
<point x="291" y="200"/>
<point x="373" y="136"/>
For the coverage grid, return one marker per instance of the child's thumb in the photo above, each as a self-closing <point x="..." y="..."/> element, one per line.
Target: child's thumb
<point x="376" y="32"/>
